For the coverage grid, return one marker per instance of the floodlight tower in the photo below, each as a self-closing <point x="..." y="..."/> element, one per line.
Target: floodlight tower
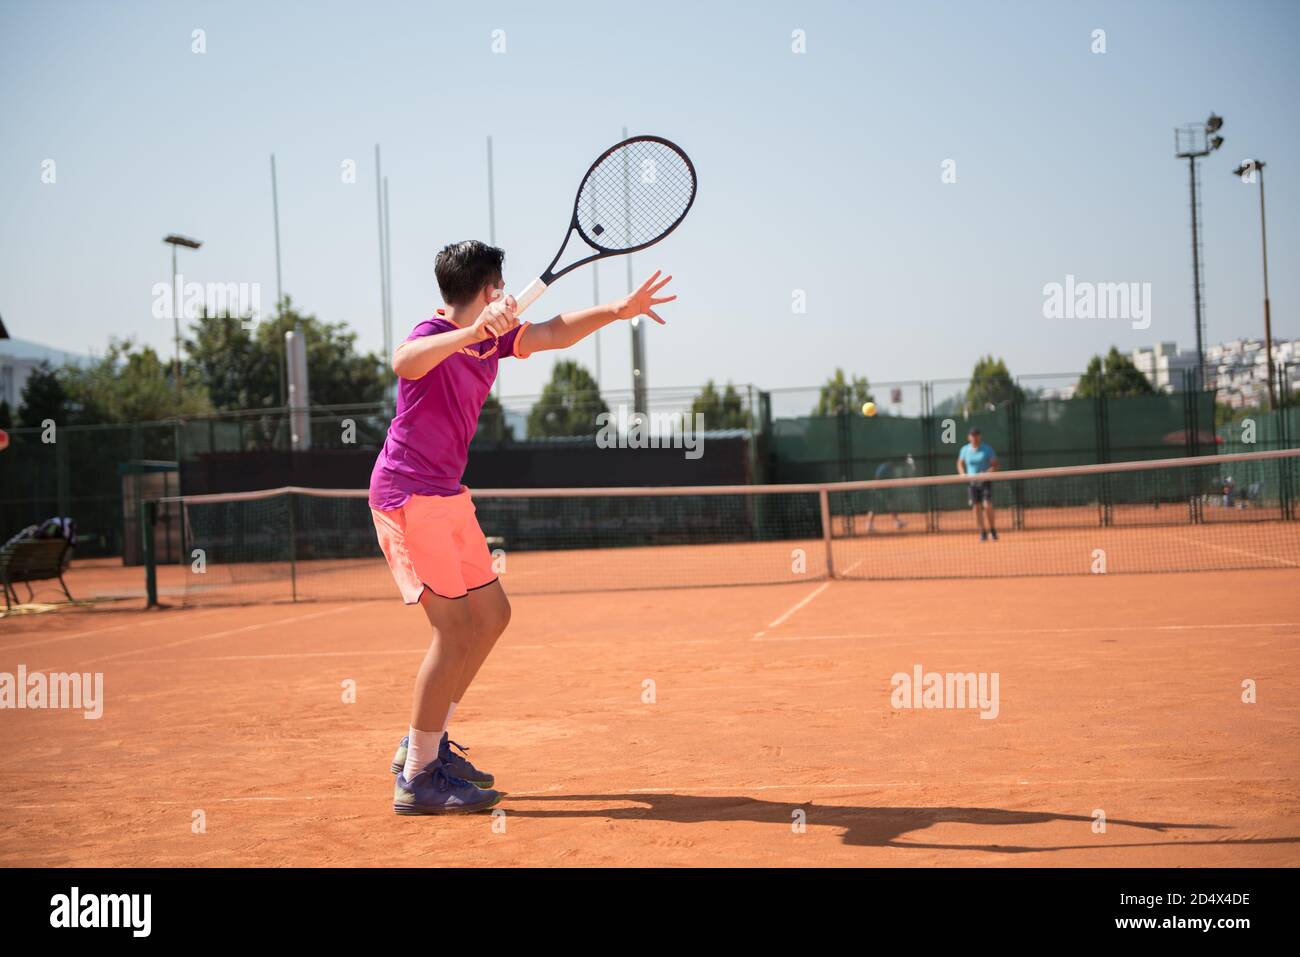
<point x="1193" y="141"/>
<point x="174" y="240"/>
<point x="1250" y="171"/>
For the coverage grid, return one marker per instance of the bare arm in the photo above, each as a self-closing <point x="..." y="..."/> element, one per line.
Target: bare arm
<point x="570" y="327"/>
<point x="416" y="358"/>
<point x="961" y="466"/>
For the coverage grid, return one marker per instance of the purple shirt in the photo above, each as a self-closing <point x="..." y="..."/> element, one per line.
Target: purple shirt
<point x="428" y="441"/>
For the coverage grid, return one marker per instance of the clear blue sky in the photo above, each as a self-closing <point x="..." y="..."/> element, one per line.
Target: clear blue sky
<point x="818" y="171"/>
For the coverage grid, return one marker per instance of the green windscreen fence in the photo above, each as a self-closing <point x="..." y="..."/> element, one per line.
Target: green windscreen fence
<point x="1036" y="433"/>
<point x="1262" y="431"/>
<point x="78" y="471"/>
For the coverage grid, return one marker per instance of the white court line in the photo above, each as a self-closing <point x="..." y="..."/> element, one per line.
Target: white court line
<point x="803" y="601"/>
<point x="1027" y="631"/>
<point x="282" y="656"/>
<point x="221" y="634"/>
<point x="103" y="631"/>
<point x="1239" y="551"/>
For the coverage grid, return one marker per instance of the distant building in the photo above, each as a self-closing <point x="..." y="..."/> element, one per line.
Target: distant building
<point x="1237" y="370"/>
<point x="19" y="358"/>
<point x="1164" y="366"/>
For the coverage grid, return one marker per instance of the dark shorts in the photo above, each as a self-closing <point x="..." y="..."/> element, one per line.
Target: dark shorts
<point x="978" y="492"/>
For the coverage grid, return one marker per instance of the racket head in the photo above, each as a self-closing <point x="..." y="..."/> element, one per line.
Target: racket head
<point x="635" y="193"/>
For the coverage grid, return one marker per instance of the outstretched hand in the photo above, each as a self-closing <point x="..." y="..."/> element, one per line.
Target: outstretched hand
<point x="643" y="301"/>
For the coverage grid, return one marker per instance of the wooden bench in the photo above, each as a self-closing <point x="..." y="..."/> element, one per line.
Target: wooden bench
<point x="34" y="560"/>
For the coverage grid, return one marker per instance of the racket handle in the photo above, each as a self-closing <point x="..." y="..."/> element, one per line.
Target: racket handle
<point x="529" y="296"/>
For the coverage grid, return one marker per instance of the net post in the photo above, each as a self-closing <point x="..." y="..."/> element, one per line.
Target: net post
<point x="293" y="549"/>
<point x="824" y="500"/>
<point x="1017" y="459"/>
<point x="148" y="514"/>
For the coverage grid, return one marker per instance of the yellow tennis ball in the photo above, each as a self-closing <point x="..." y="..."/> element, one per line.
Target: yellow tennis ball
<point x="868" y="408"/>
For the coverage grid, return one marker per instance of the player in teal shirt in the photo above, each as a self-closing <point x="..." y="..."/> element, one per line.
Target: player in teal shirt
<point x="975" y="458"/>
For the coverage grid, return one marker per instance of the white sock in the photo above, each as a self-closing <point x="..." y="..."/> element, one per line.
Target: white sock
<point x="421" y="751"/>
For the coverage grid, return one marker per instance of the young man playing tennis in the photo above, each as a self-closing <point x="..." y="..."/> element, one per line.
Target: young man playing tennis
<point x="975" y="458"/>
<point x="424" y="516"/>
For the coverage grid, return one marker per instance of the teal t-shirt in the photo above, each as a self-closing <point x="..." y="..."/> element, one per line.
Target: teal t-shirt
<point x="977" y="460"/>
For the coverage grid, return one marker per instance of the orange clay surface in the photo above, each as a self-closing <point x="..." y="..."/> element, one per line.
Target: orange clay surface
<point x="1118" y="695"/>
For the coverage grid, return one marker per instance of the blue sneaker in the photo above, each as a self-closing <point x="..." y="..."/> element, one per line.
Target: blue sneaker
<point x="457" y="765"/>
<point x="436" y="791"/>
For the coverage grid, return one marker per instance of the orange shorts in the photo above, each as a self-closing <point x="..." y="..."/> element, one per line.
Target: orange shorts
<point x="434" y="542"/>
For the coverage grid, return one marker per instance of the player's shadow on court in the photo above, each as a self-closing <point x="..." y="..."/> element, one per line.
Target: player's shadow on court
<point x="862" y="826"/>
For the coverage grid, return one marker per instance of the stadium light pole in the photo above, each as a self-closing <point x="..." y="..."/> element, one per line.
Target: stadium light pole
<point x="388" y="286"/>
<point x="640" y="401"/>
<point x="383" y="258"/>
<point x="175" y="240"/>
<point x="279" y="287"/>
<point x="1193" y="141"/>
<point x="492" y="235"/>
<point x="1244" y="171"/>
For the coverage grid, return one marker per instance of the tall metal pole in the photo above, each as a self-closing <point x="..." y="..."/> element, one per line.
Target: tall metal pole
<point x="595" y="301"/>
<point x="383" y="257"/>
<point x="492" y="208"/>
<point x="1196" y="279"/>
<point x="176" y="326"/>
<point x="279" y="289"/>
<point x="638" y="332"/>
<point x="492" y="233"/>
<point x="388" y="273"/>
<point x="1268" y="319"/>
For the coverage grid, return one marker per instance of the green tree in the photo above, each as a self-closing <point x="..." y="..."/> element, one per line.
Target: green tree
<point x="6" y="415"/>
<point x="954" y="404"/>
<point x="991" y="385"/>
<point x="241" y="367"/>
<point x="840" y="395"/>
<point x="1113" y="377"/>
<point x="492" y="424"/>
<point x="569" y="404"/>
<point x="128" y="384"/>
<point x="725" y="410"/>
<point x="43" y="398"/>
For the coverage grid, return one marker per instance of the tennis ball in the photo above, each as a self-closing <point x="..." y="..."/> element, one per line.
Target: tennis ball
<point x="869" y="408"/>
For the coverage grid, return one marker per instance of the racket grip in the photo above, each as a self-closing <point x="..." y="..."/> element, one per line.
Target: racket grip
<point x="529" y="296"/>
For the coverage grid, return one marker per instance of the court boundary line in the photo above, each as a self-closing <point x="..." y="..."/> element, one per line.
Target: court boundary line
<point x="1240" y="551"/>
<point x="798" y="605"/>
<point x="762" y="636"/>
<point x="104" y="631"/>
<point x="218" y="634"/>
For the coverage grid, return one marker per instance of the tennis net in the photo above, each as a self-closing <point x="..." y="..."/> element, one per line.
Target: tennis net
<point x="1211" y="513"/>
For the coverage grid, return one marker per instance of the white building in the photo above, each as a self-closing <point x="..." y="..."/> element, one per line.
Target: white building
<point x="1237" y="369"/>
<point x="18" y="359"/>
<point x="1164" y="366"/>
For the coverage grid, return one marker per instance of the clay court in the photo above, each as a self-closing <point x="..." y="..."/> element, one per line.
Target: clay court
<point x="1119" y="694"/>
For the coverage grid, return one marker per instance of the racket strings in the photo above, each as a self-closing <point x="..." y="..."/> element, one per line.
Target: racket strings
<point x="635" y="195"/>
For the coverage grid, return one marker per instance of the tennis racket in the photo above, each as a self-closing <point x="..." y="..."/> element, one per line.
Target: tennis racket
<point x="636" y="193"/>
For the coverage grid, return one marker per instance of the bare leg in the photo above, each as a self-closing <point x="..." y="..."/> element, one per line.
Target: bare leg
<point x="489" y="610"/>
<point x="979" y="515"/>
<point x="444" y="662"/>
<point x="988" y="508"/>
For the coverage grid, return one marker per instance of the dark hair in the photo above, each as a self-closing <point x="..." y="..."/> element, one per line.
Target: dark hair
<point x="463" y="269"/>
